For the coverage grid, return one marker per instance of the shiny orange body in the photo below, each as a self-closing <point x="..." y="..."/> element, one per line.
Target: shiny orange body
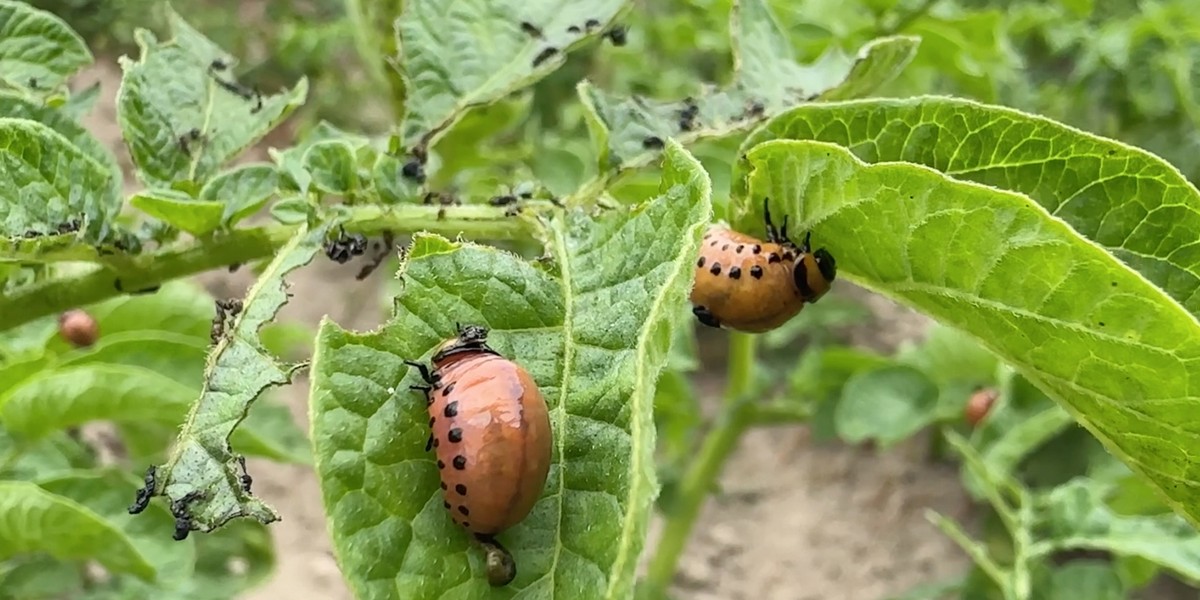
<point x="491" y="434"/>
<point x="741" y="301"/>
<point x="752" y="285"/>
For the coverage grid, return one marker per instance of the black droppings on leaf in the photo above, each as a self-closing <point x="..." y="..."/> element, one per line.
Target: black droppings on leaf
<point x="226" y="311"/>
<point x="531" y="29"/>
<point x="652" y="142"/>
<point x="121" y="288"/>
<point x="618" y="35"/>
<point x="573" y="29"/>
<point x="185" y="141"/>
<point x="544" y="55"/>
<point x="688" y="114"/>
<point x="142" y="499"/>
<point x="591" y="24"/>
<point x="180" y="509"/>
<point x="344" y="247"/>
<point x="413" y="169"/>
<point x="378" y="255"/>
<point x="244" y="479"/>
<point x="218" y="65"/>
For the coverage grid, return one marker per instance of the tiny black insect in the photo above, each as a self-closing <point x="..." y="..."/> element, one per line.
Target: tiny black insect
<point x="218" y="65"/>
<point x="573" y="29"/>
<point x="652" y="142"/>
<point x="504" y="200"/>
<point x="592" y="24"/>
<point x="531" y="29"/>
<point x="33" y="83"/>
<point x="544" y="55"/>
<point x="617" y="35"/>
<point x="70" y="226"/>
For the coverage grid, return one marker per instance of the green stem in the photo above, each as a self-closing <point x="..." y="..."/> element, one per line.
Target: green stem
<point x="736" y="416"/>
<point x="246" y="245"/>
<point x="742" y="348"/>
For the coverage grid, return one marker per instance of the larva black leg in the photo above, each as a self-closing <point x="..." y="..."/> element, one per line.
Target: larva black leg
<point x="429" y="444"/>
<point x="772" y="234"/>
<point x="705" y="317"/>
<point x="806" y="247"/>
<point x="429" y="378"/>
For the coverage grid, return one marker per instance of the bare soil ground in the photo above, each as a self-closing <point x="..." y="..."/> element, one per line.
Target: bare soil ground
<point x="796" y="520"/>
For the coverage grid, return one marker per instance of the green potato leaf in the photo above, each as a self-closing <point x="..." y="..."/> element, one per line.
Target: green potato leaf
<point x="1075" y="516"/>
<point x="197" y="217"/>
<point x="887" y="405"/>
<point x="766" y="81"/>
<point x="17" y="106"/>
<point x="455" y="56"/>
<point x="331" y="165"/>
<point x="106" y="493"/>
<point x="1095" y="335"/>
<point x="34" y="520"/>
<point x="38" y="49"/>
<point x="179" y="121"/>
<point x="203" y="473"/>
<point x="594" y="335"/>
<point x="242" y="191"/>
<point x="1087" y="181"/>
<point x="49" y="184"/>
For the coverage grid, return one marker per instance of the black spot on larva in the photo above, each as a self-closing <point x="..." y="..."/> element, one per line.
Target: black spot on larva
<point x="708" y="235"/>
<point x="713" y="243"/>
<point x="756" y="249"/>
<point x="435" y="442"/>
<point x="451" y="409"/>
<point x="739" y="248"/>
<point x="756" y="272"/>
<point x="455" y="435"/>
<point x="735" y="273"/>
<point x="773" y="258"/>
<point x="446" y="390"/>
<point x="725" y="247"/>
<point x="466" y="524"/>
<point x="715" y="269"/>
<point x="461" y="489"/>
<point x="700" y="262"/>
<point x="446" y="503"/>
<point x="441" y="465"/>
<point x="460" y="462"/>
<point x="432" y="420"/>
<point x="444" y="487"/>
<point x="462" y="509"/>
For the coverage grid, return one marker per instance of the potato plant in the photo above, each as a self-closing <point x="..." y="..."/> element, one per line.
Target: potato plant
<point x="1056" y="260"/>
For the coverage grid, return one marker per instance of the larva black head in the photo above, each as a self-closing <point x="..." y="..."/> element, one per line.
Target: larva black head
<point x="826" y="264"/>
<point x="471" y="338"/>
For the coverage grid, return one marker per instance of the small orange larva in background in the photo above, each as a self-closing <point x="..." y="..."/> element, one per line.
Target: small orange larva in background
<point x="750" y="285"/>
<point x="979" y="405"/>
<point x="78" y="328"/>
<point x="491" y="434"/>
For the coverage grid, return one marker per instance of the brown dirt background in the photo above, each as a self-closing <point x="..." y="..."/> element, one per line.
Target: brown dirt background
<point x="795" y="520"/>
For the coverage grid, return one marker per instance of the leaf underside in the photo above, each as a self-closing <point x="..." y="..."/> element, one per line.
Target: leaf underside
<point x="1117" y="352"/>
